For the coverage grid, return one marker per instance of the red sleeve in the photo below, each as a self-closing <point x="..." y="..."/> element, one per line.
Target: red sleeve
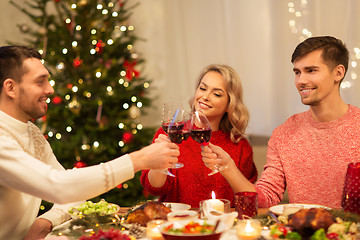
<point x="145" y="181"/>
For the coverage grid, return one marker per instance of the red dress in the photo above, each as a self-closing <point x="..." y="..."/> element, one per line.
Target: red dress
<point x="192" y="183"/>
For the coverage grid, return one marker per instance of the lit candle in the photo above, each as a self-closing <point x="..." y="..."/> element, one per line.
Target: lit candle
<point x="214" y="203"/>
<point x="248" y="229"/>
<point x="153" y="230"/>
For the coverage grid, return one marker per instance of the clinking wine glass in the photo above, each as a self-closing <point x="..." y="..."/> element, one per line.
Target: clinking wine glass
<point x="201" y="133"/>
<point x="180" y="127"/>
<point x="171" y="114"/>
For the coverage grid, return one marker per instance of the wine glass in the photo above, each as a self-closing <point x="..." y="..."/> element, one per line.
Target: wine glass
<point x="200" y="128"/>
<point x="201" y="133"/>
<point x="172" y="114"/>
<point x="180" y="126"/>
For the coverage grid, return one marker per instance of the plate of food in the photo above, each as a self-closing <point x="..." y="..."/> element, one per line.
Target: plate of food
<point x="292" y="208"/>
<point x="91" y="209"/>
<point x="192" y="230"/>
<point x="143" y="213"/>
<point x="317" y="223"/>
<point x="177" y="206"/>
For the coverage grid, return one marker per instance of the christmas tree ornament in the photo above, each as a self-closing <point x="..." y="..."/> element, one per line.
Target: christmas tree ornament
<point x="134" y="112"/>
<point x="74" y="106"/>
<point x="99" y="47"/>
<point x="42" y="30"/>
<point x="130" y="69"/>
<point x="60" y="66"/>
<point x="128" y="137"/>
<point x="77" y="62"/>
<point x="79" y="164"/>
<point x="24" y="28"/>
<point x="82" y="3"/>
<point x="57" y="100"/>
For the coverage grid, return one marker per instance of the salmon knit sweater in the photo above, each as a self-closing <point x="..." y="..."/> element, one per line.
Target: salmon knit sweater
<point x="310" y="159"/>
<point x="192" y="183"/>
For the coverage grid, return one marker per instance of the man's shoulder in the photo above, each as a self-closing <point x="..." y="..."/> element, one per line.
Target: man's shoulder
<point x="294" y="120"/>
<point x="355" y="110"/>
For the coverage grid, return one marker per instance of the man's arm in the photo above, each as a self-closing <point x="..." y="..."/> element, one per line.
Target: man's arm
<point x="39" y="229"/>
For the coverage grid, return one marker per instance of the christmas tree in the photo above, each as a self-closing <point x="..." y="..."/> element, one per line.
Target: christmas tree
<point x="93" y="116"/>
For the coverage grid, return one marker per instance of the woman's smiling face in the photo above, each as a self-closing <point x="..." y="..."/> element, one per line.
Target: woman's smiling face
<point x="211" y="97"/>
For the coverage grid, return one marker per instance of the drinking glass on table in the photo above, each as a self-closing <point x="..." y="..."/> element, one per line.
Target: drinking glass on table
<point x="351" y="193"/>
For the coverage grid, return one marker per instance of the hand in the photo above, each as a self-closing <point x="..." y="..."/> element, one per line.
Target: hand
<point x="39" y="229"/>
<point x="213" y="155"/>
<point x="162" y="138"/>
<point x="159" y="155"/>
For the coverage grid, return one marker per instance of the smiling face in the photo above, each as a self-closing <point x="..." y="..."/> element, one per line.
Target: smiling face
<point x="315" y="82"/>
<point x="212" y="98"/>
<point x="32" y="91"/>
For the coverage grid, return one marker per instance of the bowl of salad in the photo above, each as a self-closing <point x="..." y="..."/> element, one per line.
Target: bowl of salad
<point x="192" y="230"/>
<point x="88" y="209"/>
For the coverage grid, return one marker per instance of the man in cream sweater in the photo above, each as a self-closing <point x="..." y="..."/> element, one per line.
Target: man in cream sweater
<point x="29" y="171"/>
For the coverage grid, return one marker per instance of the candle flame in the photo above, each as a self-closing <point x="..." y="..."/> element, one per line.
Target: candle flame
<point x="248" y="227"/>
<point x="213" y="195"/>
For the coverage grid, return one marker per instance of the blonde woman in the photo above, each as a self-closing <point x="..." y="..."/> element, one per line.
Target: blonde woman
<point x="219" y="95"/>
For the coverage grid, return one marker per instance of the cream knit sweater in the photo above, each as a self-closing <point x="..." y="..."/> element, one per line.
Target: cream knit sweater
<point x="29" y="172"/>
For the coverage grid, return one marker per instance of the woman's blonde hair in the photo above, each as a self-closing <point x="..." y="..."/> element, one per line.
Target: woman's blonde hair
<point x="236" y="119"/>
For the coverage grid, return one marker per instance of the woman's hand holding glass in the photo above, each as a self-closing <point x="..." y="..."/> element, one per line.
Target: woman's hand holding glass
<point x="201" y="133"/>
<point x="215" y="158"/>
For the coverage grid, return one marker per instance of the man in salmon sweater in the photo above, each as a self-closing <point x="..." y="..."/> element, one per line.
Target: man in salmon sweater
<point x="310" y="152"/>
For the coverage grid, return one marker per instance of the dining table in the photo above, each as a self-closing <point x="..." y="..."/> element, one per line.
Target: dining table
<point x="64" y="229"/>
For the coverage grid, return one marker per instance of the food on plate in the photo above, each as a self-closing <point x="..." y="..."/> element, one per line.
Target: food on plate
<point x="315" y="224"/>
<point x="110" y="234"/>
<point x="148" y="211"/>
<point x="307" y="221"/>
<point x="100" y="208"/>
<point x="191" y="227"/>
<point x="283" y="231"/>
<point x="182" y="215"/>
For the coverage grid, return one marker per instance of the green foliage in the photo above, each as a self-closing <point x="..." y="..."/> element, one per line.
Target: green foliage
<point x="93" y="116"/>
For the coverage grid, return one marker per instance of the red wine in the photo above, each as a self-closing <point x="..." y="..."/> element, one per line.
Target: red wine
<point x="201" y="136"/>
<point x="165" y="127"/>
<point x="176" y="136"/>
<point x="173" y="127"/>
<point x="186" y="135"/>
<point x="176" y="126"/>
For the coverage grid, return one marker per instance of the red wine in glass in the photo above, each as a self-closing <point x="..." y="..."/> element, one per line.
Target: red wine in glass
<point x="165" y="126"/>
<point x="201" y="135"/>
<point x="186" y="135"/>
<point x="175" y="132"/>
<point x="176" y="136"/>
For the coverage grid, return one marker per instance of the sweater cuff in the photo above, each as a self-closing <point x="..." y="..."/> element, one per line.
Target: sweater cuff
<point x="262" y="201"/>
<point x="56" y="216"/>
